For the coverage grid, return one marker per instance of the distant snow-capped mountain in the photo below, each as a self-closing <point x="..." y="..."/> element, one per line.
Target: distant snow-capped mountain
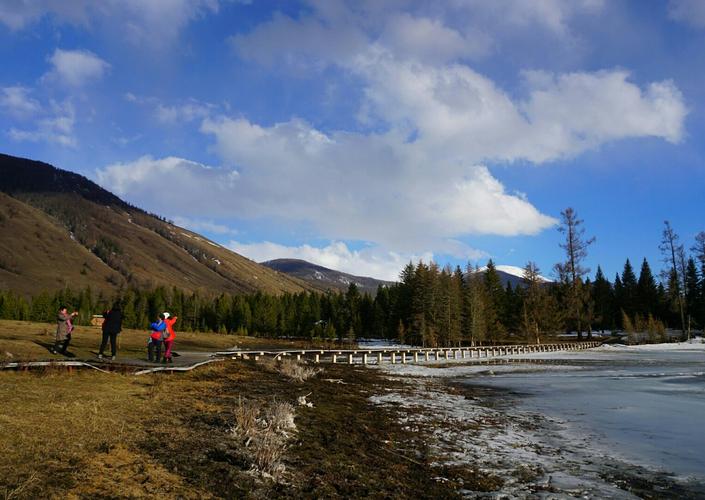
<point x="512" y="274"/>
<point x="323" y="278"/>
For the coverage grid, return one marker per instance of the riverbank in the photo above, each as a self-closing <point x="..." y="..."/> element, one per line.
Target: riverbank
<point x="489" y="420"/>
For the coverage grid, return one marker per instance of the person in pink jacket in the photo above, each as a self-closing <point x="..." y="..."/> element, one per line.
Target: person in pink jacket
<point x="169" y="341"/>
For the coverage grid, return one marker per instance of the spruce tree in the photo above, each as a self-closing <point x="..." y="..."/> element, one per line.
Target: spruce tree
<point x="603" y="298"/>
<point x="629" y="289"/>
<point x="699" y="253"/>
<point x="646" y="291"/>
<point x="494" y="304"/>
<point x="692" y="292"/>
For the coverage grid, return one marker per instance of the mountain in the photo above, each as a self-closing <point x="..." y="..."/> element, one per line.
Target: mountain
<point x="61" y="229"/>
<point x="323" y="278"/>
<point x="512" y="274"/>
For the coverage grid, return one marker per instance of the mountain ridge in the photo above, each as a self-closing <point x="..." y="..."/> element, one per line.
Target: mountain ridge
<point x="65" y="230"/>
<point x="321" y="277"/>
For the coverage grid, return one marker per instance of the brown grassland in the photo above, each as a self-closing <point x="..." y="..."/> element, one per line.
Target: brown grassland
<point x="87" y="434"/>
<point x="25" y="341"/>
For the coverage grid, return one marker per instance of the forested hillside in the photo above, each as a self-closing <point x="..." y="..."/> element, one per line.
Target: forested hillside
<point x="60" y="229"/>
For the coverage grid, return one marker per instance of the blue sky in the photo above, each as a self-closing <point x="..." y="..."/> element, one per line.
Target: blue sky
<point x="362" y="134"/>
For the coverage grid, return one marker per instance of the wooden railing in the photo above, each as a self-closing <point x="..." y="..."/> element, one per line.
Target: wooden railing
<point x="395" y="355"/>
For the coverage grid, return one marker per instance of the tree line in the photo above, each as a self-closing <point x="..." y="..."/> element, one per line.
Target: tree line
<point x="432" y="305"/>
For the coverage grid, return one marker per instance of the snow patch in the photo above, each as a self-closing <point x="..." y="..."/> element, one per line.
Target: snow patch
<point x="514" y="271"/>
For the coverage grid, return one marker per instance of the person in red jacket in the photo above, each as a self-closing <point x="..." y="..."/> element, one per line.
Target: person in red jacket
<point x="169" y="341"/>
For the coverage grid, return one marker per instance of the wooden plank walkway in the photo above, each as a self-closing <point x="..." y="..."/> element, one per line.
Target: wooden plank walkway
<point x="370" y="356"/>
<point x="396" y="355"/>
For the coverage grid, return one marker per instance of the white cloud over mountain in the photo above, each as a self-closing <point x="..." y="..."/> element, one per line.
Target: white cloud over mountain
<point x="412" y="177"/>
<point x="373" y="262"/>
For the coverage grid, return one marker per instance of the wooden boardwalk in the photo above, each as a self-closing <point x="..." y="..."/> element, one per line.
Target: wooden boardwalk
<point x="396" y="355"/>
<point x="369" y="356"/>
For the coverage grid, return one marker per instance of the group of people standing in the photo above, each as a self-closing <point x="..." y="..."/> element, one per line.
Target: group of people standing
<point x="162" y="334"/>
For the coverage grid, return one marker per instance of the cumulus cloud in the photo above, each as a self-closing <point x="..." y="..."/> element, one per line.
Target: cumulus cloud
<point x="414" y="177"/>
<point x="76" y="67"/>
<point x="430" y="40"/>
<point x="17" y="102"/>
<point x="553" y="15"/>
<point x="688" y="11"/>
<point x="198" y="188"/>
<point x="337" y="32"/>
<point x="374" y="261"/>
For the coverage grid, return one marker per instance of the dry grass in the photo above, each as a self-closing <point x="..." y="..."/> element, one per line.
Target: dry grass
<point x="293" y="370"/>
<point x="97" y="435"/>
<point x="81" y="432"/>
<point x="25" y="340"/>
<point x="263" y="431"/>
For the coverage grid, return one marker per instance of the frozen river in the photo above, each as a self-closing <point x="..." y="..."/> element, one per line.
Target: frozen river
<point x="645" y="405"/>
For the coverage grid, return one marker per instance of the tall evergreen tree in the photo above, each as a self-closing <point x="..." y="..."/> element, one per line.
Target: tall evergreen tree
<point x="572" y="271"/>
<point x="494" y="304"/>
<point x="699" y="253"/>
<point x="672" y="252"/>
<point x="603" y="298"/>
<point x="477" y="302"/>
<point x="692" y="292"/>
<point x="629" y="289"/>
<point x="646" y="291"/>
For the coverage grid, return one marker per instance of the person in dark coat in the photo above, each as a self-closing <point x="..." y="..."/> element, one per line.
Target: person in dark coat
<point x="112" y="326"/>
<point x="63" y="330"/>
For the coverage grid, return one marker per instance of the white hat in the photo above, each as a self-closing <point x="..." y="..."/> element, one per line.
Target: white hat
<point x="166" y="315"/>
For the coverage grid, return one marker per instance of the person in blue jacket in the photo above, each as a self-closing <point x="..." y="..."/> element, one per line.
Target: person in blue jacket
<point x="156" y="339"/>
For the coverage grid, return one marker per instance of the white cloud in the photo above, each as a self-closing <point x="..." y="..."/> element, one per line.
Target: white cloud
<point x="56" y="126"/>
<point x="338" y="32"/>
<point x="200" y="225"/>
<point x="422" y="193"/>
<point x="552" y="15"/>
<point x="373" y="262"/>
<point x="171" y="114"/>
<point x="415" y="180"/>
<point x="76" y="67"/>
<point x="431" y="41"/>
<point x="17" y="102"/>
<point x="153" y="23"/>
<point x="198" y="188"/>
<point x="688" y="11"/>
<point x="189" y="111"/>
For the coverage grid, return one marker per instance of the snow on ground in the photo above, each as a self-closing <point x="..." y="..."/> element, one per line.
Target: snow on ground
<point x="581" y="426"/>
<point x="695" y="344"/>
<point x="511" y="446"/>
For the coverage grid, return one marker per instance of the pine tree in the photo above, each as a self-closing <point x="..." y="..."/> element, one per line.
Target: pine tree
<point x="533" y="303"/>
<point x="477" y="302"/>
<point x="646" y="291"/>
<point x="603" y="298"/>
<point x="629" y="289"/>
<point x="572" y="271"/>
<point x="672" y="253"/>
<point x="494" y="303"/>
<point x="699" y="252"/>
<point x="692" y="292"/>
<point x="618" y="301"/>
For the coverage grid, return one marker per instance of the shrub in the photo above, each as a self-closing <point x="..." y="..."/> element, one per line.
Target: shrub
<point x="291" y="369"/>
<point x="263" y="431"/>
